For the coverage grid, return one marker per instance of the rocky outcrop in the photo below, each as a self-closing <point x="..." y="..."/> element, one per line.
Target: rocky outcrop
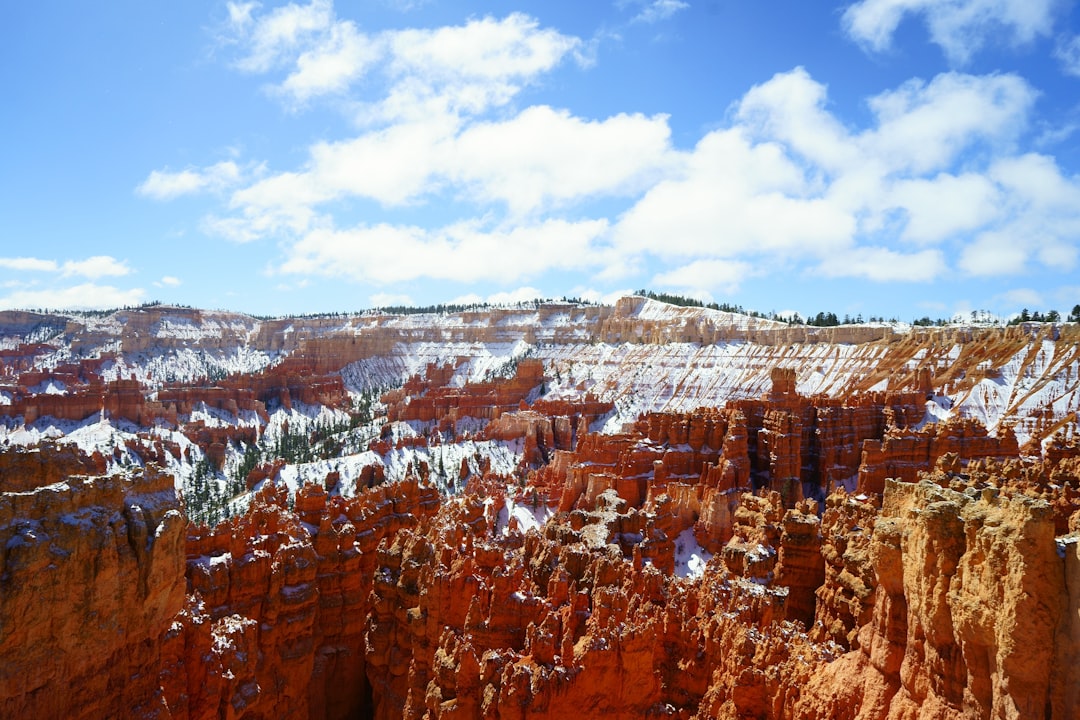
<point x="877" y="554"/>
<point x="92" y="575"/>
<point x="970" y="599"/>
<point x="544" y="626"/>
<point x="278" y="605"/>
<point x="905" y="452"/>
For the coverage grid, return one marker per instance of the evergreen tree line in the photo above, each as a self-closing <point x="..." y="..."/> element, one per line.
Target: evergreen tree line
<point x="830" y="319"/>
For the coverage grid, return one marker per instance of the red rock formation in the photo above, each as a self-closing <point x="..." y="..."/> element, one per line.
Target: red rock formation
<point x="25" y="470"/>
<point x="948" y="599"/>
<point x="91" y="571"/>
<point x="800" y="564"/>
<point x="904" y="453"/>
<point x="432" y="398"/>
<point x="278" y="605"/>
<point x="971" y="593"/>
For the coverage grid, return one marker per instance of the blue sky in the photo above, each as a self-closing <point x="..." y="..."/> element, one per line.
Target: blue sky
<point x="884" y="157"/>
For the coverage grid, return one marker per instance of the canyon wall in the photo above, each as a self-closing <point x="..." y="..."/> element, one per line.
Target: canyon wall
<point x="91" y="578"/>
<point x="952" y="597"/>
<point x="742" y="540"/>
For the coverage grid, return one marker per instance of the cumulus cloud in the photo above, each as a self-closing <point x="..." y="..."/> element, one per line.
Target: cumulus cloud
<point x="1021" y="297"/>
<point x="95" y="267"/>
<point x="463" y="252"/>
<point x="539" y="159"/>
<point x="270" y="39"/>
<point x="993" y="253"/>
<point x="788" y="183"/>
<point x="606" y="298"/>
<point x="167" y="185"/>
<point x="513" y="297"/>
<point x="28" y="264"/>
<point x="735" y="198"/>
<point x="932" y="182"/>
<point x="169" y="281"/>
<point x="465" y="69"/>
<point x="973" y="201"/>
<point x="959" y="27"/>
<point x="78" y="297"/>
<point x="332" y="65"/>
<point x="1068" y="54"/>
<point x="389" y="299"/>
<point x="565" y="159"/>
<point x="885" y="265"/>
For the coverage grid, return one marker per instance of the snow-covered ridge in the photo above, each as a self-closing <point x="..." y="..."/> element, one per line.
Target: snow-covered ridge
<point x="641" y="354"/>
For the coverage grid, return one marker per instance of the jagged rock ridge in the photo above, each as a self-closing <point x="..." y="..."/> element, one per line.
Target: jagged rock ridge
<point x="589" y="559"/>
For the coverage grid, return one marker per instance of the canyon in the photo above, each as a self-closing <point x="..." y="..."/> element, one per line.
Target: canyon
<point x="540" y="511"/>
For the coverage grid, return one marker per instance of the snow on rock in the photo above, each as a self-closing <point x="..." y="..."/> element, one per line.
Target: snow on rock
<point x="690" y="557"/>
<point x="528" y="516"/>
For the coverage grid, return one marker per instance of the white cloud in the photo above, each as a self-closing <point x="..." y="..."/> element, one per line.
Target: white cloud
<point x="169" y="281"/>
<point x="884" y="265"/>
<point x="545" y="156"/>
<point x="959" y="27"/>
<point x="735" y="198"/>
<point x="273" y="37"/>
<point x="452" y="69"/>
<point x="464" y="252"/>
<point x="467" y="299"/>
<point x="95" y="267"/>
<point x="405" y="5"/>
<point x="973" y="202"/>
<point x="85" y="296"/>
<point x="1068" y="53"/>
<point x="790" y="107"/>
<point x="537" y="159"/>
<point x="509" y="297"/>
<point x="596" y="296"/>
<point x="332" y="65"/>
<point x="994" y="253"/>
<point x="658" y="10"/>
<point x="167" y="185"/>
<point x="512" y="48"/>
<point x="787" y="183"/>
<point x="392" y="166"/>
<point x="923" y="127"/>
<point x="513" y="297"/>
<point x="702" y="276"/>
<point x="1021" y="297"/>
<point x="28" y="264"/>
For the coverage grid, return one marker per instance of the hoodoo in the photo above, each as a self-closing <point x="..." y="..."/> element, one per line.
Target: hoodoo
<point x="537" y="512"/>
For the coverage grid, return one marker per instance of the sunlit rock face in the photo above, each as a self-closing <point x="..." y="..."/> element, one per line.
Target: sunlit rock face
<point x="91" y="578"/>
<point x="545" y="511"/>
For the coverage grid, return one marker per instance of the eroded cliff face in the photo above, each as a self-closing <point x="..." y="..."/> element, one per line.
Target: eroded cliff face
<point x="679" y="524"/>
<point x="952" y="597"/>
<point x="969" y="607"/>
<point x="91" y="577"/>
<point x="639" y="354"/>
<point x="278" y="605"/>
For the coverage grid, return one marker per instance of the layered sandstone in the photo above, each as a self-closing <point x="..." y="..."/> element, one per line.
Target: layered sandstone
<point x="943" y="584"/>
<point x="971" y="595"/>
<point x="92" y="575"/>
<point x="278" y="605"/>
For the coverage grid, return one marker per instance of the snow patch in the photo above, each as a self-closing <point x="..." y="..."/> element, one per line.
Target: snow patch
<point x="690" y="557"/>
<point x="528" y="517"/>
